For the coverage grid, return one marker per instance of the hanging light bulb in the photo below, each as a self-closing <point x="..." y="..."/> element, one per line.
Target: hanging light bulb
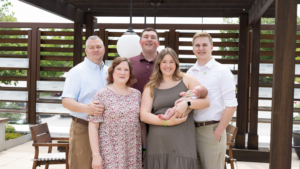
<point x="128" y="44"/>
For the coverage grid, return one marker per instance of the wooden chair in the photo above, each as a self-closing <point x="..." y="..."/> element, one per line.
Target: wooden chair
<point x="231" y="133"/>
<point x="41" y="137"/>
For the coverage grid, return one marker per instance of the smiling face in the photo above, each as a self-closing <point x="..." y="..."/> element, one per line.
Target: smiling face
<point x="167" y="65"/>
<point x="149" y="42"/>
<point x="202" y="49"/>
<point x="95" y="50"/>
<point x="121" y="73"/>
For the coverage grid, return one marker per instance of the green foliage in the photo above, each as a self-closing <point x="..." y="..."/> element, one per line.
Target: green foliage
<point x="11" y="116"/>
<point x="9" y="129"/>
<point x="113" y="54"/>
<point x="9" y="136"/>
<point x="7" y="16"/>
<point x="298" y="116"/>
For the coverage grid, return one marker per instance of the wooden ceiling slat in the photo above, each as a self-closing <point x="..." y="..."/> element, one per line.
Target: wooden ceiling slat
<point x="75" y="9"/>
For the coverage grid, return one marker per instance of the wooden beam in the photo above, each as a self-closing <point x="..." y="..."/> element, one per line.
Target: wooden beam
<point x="90" y="24"/>
<point x="77" y="54"/>
<point x="242" y="83"/>
<point x="283" y="84"/>
<point x="169" y="10"/>
<point x="258" y="9"/>
<point x="252" y="136"/>
<point x="90" y="8"/>
<point x="217" y="13"/>
<point x="168" y="26"/>
<point x="164" y="1"/>
<point x="60" y="8"/>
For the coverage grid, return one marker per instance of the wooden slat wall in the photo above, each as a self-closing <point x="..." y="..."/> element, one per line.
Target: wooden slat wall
<point x="111" y="39"/>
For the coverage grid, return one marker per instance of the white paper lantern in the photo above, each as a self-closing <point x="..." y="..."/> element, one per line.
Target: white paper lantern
<point x="159" y="49"/>
<point x="128" y="45"/>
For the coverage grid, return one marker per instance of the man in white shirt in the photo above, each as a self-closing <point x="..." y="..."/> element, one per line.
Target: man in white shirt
<point x="82" y="82"/>
<point x="211" y="122"/>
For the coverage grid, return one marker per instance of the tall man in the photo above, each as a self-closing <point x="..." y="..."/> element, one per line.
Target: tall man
<point x="211" y="122"/>
<point x="81" y="84"/>
<point x="143" y="65"/>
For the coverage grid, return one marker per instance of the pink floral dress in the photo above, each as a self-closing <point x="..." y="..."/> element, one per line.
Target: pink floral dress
<point x="119" y="132"/>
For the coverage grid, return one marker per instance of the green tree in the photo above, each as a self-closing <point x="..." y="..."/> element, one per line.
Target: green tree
<point x="7" y="16"/>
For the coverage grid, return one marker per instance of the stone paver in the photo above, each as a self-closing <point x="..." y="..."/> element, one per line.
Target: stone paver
<point x="20" y="157"/>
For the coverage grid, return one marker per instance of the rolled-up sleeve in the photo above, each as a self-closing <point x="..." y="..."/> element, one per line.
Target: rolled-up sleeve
<point x="97" y="119"/>
<point x="72" y="85"/>
<point x="228" y="89"/>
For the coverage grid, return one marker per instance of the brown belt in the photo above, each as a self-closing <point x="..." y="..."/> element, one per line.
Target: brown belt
<point x="199" y="124"/>
<point x="78" y="120"/>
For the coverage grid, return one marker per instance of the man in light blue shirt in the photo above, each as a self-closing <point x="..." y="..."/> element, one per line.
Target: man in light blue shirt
<point x="82" y="82"/>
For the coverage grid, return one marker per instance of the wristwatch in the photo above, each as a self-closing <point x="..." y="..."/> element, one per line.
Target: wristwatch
<point x="188" y="103"/>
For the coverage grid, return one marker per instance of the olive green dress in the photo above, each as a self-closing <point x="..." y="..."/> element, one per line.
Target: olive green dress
<point x="171" y="147"/>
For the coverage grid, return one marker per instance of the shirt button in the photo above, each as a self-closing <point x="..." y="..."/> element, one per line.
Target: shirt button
<point x="147" y="66"/>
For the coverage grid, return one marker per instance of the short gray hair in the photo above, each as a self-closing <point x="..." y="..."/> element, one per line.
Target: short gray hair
<point x="93" y="37"/>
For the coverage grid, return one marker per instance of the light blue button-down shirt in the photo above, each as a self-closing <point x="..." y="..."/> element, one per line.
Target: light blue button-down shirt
<point x="83" y="81"/>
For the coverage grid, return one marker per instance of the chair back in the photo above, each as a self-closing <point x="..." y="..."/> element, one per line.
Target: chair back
<point x="40" y="133"/>
<point x="231" y="132"/>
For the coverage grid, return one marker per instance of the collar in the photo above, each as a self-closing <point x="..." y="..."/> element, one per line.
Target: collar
<point x="92" y="64"/>
<point x="142" y="58"/>
<point x="209" y="64"/>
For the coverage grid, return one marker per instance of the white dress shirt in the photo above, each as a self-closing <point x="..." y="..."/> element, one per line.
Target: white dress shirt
<point x="83" y="81"/>
<point x="220" y="84"/>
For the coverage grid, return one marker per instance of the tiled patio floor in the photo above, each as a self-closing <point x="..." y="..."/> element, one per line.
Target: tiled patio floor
<point x="19" y="157"/>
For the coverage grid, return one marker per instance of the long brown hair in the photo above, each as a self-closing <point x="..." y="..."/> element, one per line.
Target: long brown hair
<point x="112" y="67"/>
<point x="156" y="77"/>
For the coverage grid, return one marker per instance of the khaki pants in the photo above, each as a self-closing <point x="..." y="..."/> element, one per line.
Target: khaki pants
<point x="211" y="152"/>
<point x="80" y="154"/>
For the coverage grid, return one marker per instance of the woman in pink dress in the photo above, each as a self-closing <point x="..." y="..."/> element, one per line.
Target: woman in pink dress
<point x="115" y="136"/>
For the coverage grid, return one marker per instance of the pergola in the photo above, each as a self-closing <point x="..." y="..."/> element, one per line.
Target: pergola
<point x="83" y="12"/>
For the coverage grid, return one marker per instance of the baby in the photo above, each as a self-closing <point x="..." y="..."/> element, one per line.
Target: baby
<point x="197" y="92"/>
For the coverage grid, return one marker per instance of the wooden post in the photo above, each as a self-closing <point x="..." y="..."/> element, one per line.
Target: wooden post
<point x="77" y="49"/>
<point x="166" y="39"/>
<point x="172" y="38"/>
<point x="242" y="108"/>
<point x="89" y="27"/>
<point x="252" y="136"/>
<point x="105" y="57"/>
<point x="33" y="44"/>
<point x="283" y="84"/>
<point x="176" y="47"/>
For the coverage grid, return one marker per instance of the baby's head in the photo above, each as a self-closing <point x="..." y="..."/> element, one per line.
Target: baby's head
<point x="200" y="91"/>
